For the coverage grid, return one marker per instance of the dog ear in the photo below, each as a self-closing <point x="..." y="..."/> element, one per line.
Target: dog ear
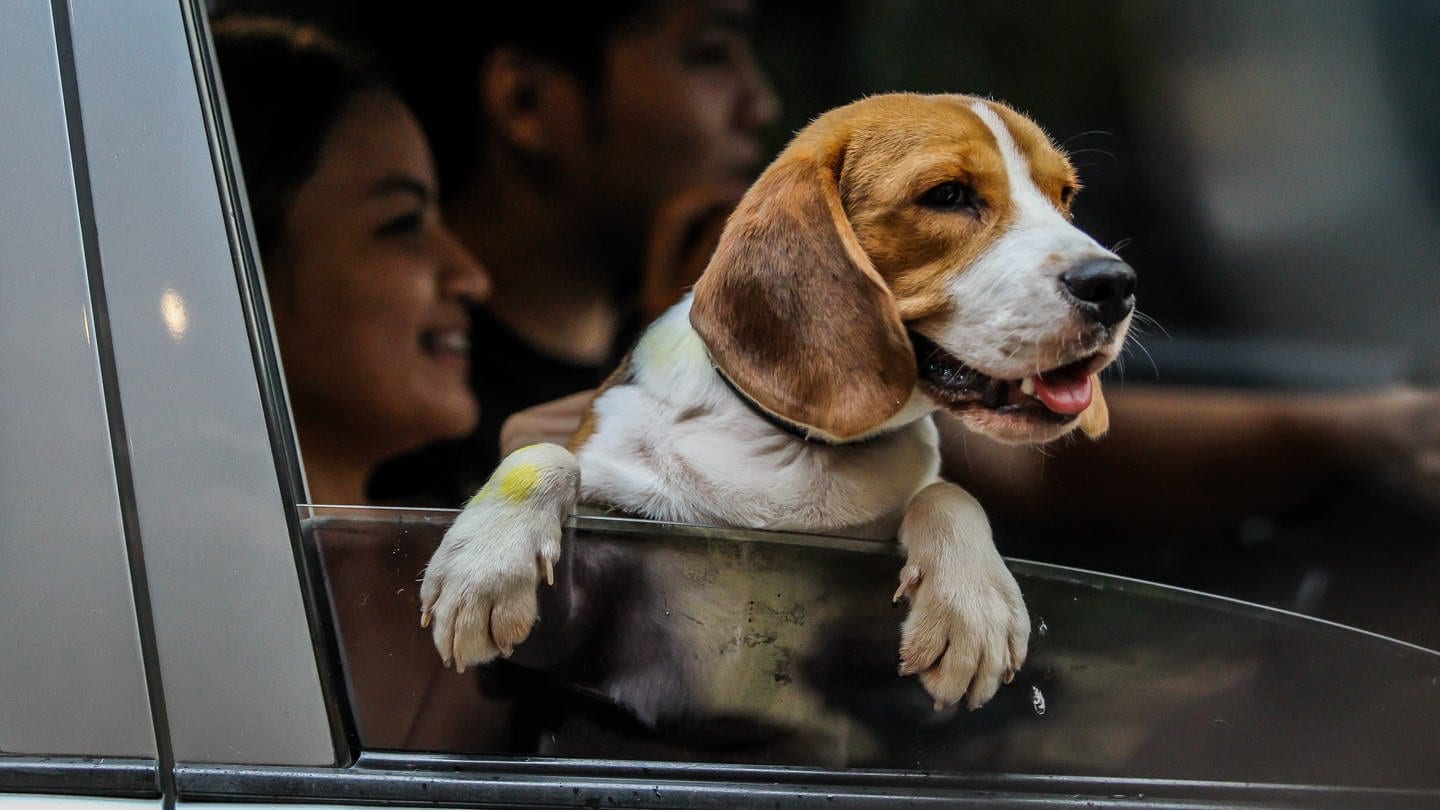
<point x="1095" y="419"/>
<point x="795" y="314"/>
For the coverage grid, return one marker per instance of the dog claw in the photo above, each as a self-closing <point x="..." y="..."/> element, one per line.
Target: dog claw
<point x="549" y="569"/>
<point x="908" y="583"/>
<point x="1009" y="675"/>
<point x="903" y="590"/>
<point x="425" y="617"/>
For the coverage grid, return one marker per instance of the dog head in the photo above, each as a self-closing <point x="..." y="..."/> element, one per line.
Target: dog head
<point x="910" y="252"/>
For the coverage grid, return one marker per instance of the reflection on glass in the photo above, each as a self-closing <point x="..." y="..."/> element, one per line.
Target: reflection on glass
<point x="669" y="642"/>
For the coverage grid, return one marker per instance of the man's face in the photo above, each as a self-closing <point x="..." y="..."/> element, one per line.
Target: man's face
<point x="683" y="104"/>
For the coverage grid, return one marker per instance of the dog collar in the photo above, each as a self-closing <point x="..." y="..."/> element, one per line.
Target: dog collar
<point x="795" y="429"/>
<point x="786" y="425"/>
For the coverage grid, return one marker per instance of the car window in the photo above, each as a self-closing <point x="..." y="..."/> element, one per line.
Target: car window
<point x="732" y="659"/>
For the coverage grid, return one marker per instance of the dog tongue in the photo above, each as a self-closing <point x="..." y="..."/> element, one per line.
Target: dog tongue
<point x="1064" y="394"/>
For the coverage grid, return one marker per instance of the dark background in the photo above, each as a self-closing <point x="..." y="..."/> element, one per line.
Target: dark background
<point x="1271" y="169"/>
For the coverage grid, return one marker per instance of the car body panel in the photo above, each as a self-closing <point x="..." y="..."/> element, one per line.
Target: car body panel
<point x="71" y="642"/>
<point x="19" y="801"/>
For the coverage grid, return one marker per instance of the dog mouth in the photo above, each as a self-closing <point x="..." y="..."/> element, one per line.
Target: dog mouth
<point x="1058" y="395"/>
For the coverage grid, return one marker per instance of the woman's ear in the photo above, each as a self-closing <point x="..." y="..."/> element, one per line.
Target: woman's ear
<point x="794" y="313"/>
<point x="1095" y="420"/>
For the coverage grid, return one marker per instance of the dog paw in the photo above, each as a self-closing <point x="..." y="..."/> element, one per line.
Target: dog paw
<point x="964" y="639"/>
<point x="479" y="592"/>
<point x="968" y="631"/>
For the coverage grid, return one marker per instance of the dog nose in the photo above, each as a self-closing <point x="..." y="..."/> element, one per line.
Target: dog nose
<point x="1104" y="288"/>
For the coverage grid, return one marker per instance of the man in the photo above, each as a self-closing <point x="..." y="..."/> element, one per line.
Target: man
<point x="571" y="158"/>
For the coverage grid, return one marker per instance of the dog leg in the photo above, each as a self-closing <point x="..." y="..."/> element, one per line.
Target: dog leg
<point x="968" y="630"/>
<point x="479" y="588"/>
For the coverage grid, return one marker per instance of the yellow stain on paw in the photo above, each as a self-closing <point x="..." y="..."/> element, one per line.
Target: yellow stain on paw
<point x="514" y="481"/>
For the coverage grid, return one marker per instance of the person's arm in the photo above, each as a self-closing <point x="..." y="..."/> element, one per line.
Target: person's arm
<point x="554" y="422"/>
<point x="1206" y="458"/>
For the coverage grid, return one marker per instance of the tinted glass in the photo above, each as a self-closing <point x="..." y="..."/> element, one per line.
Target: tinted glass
<point x="667" y="642"/>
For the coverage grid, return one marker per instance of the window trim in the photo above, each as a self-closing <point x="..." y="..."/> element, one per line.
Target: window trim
<point x="94" y="776"/>
<point x="488" y="781"/>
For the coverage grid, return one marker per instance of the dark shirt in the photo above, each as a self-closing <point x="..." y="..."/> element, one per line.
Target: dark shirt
<point x="507" y="375"/>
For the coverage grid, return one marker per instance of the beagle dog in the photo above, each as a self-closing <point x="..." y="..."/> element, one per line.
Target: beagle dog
<point x="904" y="254"/>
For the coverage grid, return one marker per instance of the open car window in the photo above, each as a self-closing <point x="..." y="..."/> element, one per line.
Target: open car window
<point x="682" y="664"/>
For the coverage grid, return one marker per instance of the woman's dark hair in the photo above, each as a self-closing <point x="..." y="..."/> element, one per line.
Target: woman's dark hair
<point x="286" y="85"/>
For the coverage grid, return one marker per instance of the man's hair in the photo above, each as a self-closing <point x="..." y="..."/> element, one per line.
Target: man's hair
<point x="436" y="50"/>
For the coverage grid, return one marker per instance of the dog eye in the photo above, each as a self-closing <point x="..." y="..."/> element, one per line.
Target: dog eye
<point x="947" y="195"/>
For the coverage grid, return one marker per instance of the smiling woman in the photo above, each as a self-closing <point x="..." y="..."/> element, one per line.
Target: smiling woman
<point x="369" y="290"/>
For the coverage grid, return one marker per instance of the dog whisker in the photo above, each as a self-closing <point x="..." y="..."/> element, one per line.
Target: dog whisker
<point x="1044" y="451"/>
<point x="1100" y="134"/>
<point x="1086" y="165"/>
<point x="1148" y="356"/>
<point x="1087" y="133"/>
<point x="1141" y="317"/>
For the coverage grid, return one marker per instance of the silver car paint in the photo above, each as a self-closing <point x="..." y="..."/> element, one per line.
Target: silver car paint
<point x="71" y="677"/>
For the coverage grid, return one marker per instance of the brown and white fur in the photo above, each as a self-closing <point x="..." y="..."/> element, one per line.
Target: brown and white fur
<point x="898" y="219"/>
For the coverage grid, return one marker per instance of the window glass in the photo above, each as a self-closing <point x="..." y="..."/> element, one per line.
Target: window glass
<point x="665" y="642"/>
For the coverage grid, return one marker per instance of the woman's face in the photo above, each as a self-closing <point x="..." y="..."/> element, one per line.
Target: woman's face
<point x="369" y="290"/>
